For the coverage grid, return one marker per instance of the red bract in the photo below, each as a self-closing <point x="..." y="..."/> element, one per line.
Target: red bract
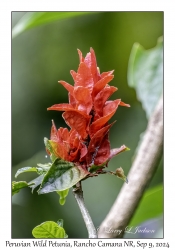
<point x="67" y="144"/>
<point x="87" y="114"/>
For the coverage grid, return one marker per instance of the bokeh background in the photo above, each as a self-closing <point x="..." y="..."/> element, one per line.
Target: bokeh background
<point x="40" y="57"/>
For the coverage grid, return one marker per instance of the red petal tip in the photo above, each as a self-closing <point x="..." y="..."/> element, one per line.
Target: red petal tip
<point x="111" y="71"/>
<point x="127" y="105"/>
<point x="53" y="122"/>
<point x="80" y="55"/>
<point x="91" y="49"/>
<point x="124" y="104"/>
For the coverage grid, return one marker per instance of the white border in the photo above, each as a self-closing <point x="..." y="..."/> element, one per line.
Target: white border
<point x="5" y="96"/>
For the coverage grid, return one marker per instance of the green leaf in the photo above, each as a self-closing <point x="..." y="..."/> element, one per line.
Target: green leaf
<point x="49" y="230"/>
<point x="34" y="19"/>
<point x="145" y="74"/>
<point x="151" y="206"/>
<point x="17" y="186"/>
<point x="45" y="167"/>
<point x="61" y="176"/>
<point x="39" y="170"/>
<point x="63" y="194"/>
<point x="25" y="169"/>
<point x="36" y="182"/>
<point x="50" y="148"/>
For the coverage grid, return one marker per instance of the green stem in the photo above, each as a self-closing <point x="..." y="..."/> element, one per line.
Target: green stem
<point x="78" y="193"/>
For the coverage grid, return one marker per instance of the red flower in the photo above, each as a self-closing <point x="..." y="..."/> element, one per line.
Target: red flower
<point x="67" y="144"/>
<point x="87" y="114"/>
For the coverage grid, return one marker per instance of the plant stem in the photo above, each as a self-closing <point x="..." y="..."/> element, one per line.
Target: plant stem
<point x="78" y="193"/>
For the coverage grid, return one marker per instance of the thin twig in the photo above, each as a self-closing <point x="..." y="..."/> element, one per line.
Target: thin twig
<point x="78" y="193"/>
<point x="142" y="170"/>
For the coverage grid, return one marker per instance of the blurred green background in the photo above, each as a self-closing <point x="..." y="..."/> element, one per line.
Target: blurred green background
<point x="40" y="57"/>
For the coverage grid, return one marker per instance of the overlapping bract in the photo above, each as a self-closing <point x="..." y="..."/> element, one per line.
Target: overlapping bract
<point x="87" y="114"/>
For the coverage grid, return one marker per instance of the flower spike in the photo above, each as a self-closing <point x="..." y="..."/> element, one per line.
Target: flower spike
<point x="87" y="114"/>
